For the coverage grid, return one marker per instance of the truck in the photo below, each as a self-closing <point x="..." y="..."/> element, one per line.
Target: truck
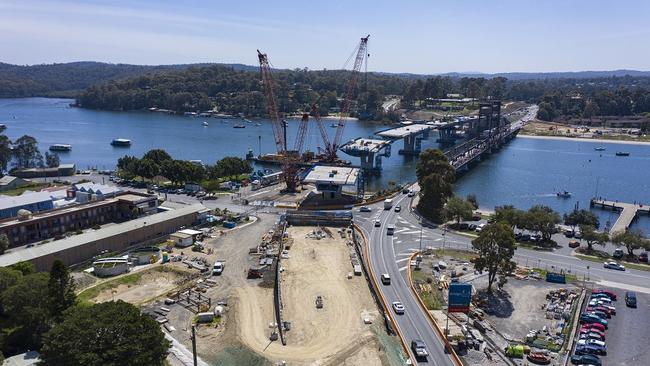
<point x="419" y="348"/>
<point x="388" y="203"/>
<point x="218" y="267"/>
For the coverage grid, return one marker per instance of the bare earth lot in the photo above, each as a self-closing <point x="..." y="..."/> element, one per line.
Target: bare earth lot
<point x="335" y="334"/>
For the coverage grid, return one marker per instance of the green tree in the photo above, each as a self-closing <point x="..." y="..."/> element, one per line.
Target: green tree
<point x="26" y="153"/>
<point x="471" y="198"/>
<point x="591" y="236"/>
<point x="231" y="166"/>
<point x="147" y="168"/>
<point x="459" y="209"/>
<point x="128" y="166"/>
<point x="52" y="160"/>
<point x="5" y="152"/>
<point x="631" y="240"/>
<point x="581" y="217"/>
<point x="496" y="247"/>
<point x="508" y="214"/>
<point x="23" y="267"/>
<point x="543" y="220"/>
<point x="105" y="334"/>
<point x="4" y="243"/>
<point x="436" y="178"/>
<point x="8" y="278"/>
<point x="158" y="156"/>
<point x="27" y="305"/>
<point x="61" y="289"/>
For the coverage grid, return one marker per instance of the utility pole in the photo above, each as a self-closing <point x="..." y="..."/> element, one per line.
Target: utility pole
<point x="194" y="345"/>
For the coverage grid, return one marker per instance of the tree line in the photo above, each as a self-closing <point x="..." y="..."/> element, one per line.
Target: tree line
<point x="24" y="153"/>
<point x="158" y="162"/>
<point x="40" y="311"/>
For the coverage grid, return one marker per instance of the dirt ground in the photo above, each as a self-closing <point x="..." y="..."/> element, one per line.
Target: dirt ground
<point x="151" y="284"/>
<point x="335" y="334"/>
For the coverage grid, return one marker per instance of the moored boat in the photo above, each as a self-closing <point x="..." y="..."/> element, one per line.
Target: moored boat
<point x="599" y="148"/>
<point x="622" y="153"/>
<point x="121" y="142"/>
<point x="239" y="126"/>
<point x="205" y="123"/>
<point x="60" y="147"/>
<point x="564" y="194"/>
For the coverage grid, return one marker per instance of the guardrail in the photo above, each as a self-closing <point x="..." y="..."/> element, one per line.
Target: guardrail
<point x="454" y="356"/>
<point x="375" y="285"/>
<point x="277" y="292"/>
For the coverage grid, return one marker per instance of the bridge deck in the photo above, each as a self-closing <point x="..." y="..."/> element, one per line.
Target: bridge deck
<point x="404" y="131"/>
<point x="628" y="212"/>
<point x="360" y="146"/>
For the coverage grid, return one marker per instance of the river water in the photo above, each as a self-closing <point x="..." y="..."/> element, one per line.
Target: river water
<point x="525" y="172"/>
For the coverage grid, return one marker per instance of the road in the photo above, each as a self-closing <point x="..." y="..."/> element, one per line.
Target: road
<point x="388" y="255"/>
<point x="390" y="104"/>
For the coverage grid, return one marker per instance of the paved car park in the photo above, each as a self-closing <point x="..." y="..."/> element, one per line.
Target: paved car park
<point x="628" y="333"/>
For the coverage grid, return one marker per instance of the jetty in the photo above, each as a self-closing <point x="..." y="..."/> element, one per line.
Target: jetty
<point x="628" y="212"/>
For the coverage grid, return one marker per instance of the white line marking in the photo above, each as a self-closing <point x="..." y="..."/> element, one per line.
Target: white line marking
<point x="402" y="260"/>
<point x="402" y="269"/>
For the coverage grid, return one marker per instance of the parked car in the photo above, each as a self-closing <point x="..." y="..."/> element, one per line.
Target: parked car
<point x="597" y="326"/>
<point x="643" y="257"/>
<point x="591" y="318"/>
<point x="591" y="342"/>
<point x="365" y="209"/>
<point x="586" y="360"/>
<point x="398" y="307"/>
<point x="479" y="227"/>
<point x="577" y="235"/>
<point x="611" y="294"/>
<point x="574" y="244"/>
<point x="630" y="299"/>
<point x="591" y="349"/>
<point x="600" y="314"/>
<point x="592" y="335"/>
<point x="614" y="265"/>
<point x="618" y="253"/>
<point x="600" y="295"/>
<point x="569" y="233"/>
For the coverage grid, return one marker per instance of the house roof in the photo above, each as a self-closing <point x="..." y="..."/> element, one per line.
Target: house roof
<point x="7" y="179"/>
<point x="24" y="199"/>
<point x="96" y="188"/>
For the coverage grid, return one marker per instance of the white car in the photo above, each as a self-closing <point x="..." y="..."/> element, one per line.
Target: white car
<point x="594" y="342"/>
<point x="398" y="307"/>
<point x="479" y="227"/>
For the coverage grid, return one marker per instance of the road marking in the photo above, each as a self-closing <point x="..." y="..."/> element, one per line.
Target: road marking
<point x="400" y="231"/>
<point x="624" y="286"/>
<point x="402" y="269"/>
<point x="398" y="241"/>
<point x="402" y="260"/>
<point x="404" y="255"/>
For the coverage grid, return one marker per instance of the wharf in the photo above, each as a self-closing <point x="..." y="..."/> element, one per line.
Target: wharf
<point x="629" y="211"/>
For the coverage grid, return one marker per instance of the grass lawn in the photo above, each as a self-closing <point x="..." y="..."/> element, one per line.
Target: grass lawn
<point x="432" y="300"/>
<point x="29" y="187"/>
<point x="85" y="296"/>
<point x="458" y="254"/>
<point x="419" y="275"/>
<point x="569" y="277"/>
<point x="641" y="267"/>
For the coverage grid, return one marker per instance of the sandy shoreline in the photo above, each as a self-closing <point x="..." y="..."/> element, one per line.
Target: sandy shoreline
<point x="599" y="141"/>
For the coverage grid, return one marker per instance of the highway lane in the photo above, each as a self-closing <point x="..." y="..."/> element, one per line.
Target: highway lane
<point x="414" y="324"/>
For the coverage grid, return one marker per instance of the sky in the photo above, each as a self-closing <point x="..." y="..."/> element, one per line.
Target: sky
<point x="419" y="36"/>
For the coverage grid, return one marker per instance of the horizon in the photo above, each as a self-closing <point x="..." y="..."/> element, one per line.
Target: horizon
<point x="415" y="38"/>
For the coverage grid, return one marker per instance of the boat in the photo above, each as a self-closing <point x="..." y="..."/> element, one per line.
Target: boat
<point x="121" y="142"/>
<point x="334" y="125"/>
<point x="539" y="358"/>
<point x="258" y="124"/>
<point x="239" y="126"/>
<point x="247" y="120"/>
<point x="60" y="147"/>
<point x="565" y="194"/>
<point x="205" y="123"/>
<point x="600" y="148"/>
<point x="622" y="153"/>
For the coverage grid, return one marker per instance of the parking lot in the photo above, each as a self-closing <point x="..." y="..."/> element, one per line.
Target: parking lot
<point x="628" y="334"/>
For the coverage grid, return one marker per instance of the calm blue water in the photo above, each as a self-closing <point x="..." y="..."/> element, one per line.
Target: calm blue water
<point x="526" y="172"/>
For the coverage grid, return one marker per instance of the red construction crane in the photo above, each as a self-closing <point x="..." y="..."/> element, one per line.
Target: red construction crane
<point x="323" y="133"/>
<point x="362" y="53"/>
<point x="289" y="159"/>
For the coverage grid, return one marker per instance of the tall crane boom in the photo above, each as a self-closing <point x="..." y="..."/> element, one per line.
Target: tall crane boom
<point x="349" y="95"/>
<point x="267" y="80"/>
<point x="302" y="132"/>
<point x="321" y="129"/>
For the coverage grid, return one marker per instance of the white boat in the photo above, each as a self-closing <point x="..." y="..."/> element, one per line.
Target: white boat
<point x="121" y="142"/>
<point x="60" y="147"/>
<point x="205" y="123"/>
<point x="565" y="194"/>
<point x="247" y="120"/>
<point x="258" y="124"/>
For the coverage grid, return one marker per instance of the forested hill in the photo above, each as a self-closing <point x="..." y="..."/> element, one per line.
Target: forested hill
<point x="68" y="79"/>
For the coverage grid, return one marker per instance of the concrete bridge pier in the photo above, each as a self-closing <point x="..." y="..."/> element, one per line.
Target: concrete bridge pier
<point x="410" y="147"/>
<point x="368" y="161"/>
